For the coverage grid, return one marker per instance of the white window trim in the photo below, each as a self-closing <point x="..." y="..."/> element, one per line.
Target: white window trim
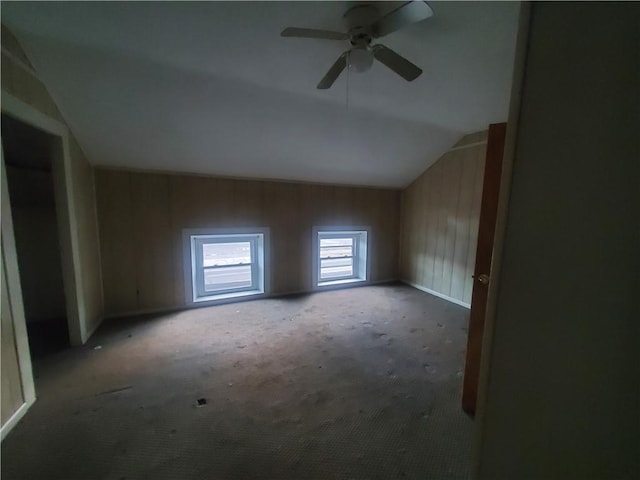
<point x="363" y="236"/>
<point x="261" y="276"/>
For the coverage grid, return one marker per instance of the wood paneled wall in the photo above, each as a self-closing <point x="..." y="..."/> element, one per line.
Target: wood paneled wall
<point x="141" y="217"/>
<point x="439" y="227"/>
<point x="20" y="81"/>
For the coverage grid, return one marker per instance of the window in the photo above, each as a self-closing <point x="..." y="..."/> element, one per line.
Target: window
<point x="225" y="265"/>
<point x="337" y="256"/>
<point x="341" y="256"/>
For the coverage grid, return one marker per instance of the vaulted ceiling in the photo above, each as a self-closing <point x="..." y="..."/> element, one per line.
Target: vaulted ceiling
<point x="211" y="87"/>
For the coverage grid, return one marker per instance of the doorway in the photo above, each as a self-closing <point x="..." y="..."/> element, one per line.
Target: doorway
<point x="28" y="155"/>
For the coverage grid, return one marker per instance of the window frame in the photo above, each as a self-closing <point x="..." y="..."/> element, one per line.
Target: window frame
<point x="195" y="270"/>
<point x="360" y="236"/>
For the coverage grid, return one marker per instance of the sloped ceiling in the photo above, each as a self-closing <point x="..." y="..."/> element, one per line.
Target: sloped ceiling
<point x="212" y="87"/>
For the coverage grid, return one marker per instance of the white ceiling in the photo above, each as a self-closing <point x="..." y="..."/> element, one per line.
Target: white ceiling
<point x="212" y="87"/>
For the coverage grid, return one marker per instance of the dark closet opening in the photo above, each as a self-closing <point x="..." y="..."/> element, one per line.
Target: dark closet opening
<point x="28" y="154"/>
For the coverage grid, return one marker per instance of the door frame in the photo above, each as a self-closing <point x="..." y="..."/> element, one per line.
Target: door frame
<point x="9" y="265"/>
<point x="517" y="84"/>
<point x="65" y="212"/>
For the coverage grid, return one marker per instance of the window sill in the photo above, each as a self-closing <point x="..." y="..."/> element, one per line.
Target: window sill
<point x="341" y="282"/>
<point x="227" y="296"/>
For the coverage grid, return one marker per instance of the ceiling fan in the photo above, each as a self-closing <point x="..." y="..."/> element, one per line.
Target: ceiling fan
<point x="364" y="24"/>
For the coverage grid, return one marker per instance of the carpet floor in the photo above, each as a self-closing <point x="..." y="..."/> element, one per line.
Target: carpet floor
<point x="360" y="383"/>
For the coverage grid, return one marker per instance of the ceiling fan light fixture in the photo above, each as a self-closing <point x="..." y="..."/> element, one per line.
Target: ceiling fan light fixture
<point x="360" y="59"/>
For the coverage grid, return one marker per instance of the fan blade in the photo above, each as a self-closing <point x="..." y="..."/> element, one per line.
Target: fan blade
<point x="334" y="72"/>
<point x="410" y="12"/>
<point x="395" y="62"/>
<point x="313" y="33"/>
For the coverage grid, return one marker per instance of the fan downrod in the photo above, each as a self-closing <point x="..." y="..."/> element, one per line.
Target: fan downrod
<point x="359" y="20"/>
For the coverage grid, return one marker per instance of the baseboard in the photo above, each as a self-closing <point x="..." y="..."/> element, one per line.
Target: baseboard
<point x="437" y="294"/>
<point x="340" y="286"/>
<point x="182" y="308"/>
<point x="150" y="311"/>
<point x="14" y="419"/>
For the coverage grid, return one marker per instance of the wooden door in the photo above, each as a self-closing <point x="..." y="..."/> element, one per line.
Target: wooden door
<point x="482" y="273"/>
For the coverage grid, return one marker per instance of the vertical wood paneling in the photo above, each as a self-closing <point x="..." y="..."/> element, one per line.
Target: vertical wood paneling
<point x="474" y="223"/>
<point x="421" y="233"/>
<point x="463" y="214"/>
<point x="142" y="216"/>
<point x="430" y="245"/>
<point x="377" y="239"/>
<point x="408" y="217"/>
<point x="175" y="213"/>
<point x="452" y="174"/>
<point x="116" y="241"/>
<point x="152" y="240"/>
<point x="440" y="230"/>
<point x="287" y="238"/>
<point x="341" y="206"/>
<point x="439" y="226"/>
<point x="405" y="261"/>
<point x="391" y="231"/>
<point x="277" y="250"/>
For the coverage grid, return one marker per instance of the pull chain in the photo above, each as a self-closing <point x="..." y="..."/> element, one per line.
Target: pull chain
<point x="348" y="75"/>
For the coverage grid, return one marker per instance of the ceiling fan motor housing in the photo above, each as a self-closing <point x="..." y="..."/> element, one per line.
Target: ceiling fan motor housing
<point x="359" y="20"/>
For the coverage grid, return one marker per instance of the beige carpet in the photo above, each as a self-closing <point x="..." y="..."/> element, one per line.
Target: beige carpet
<point x="361" y="383"/>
